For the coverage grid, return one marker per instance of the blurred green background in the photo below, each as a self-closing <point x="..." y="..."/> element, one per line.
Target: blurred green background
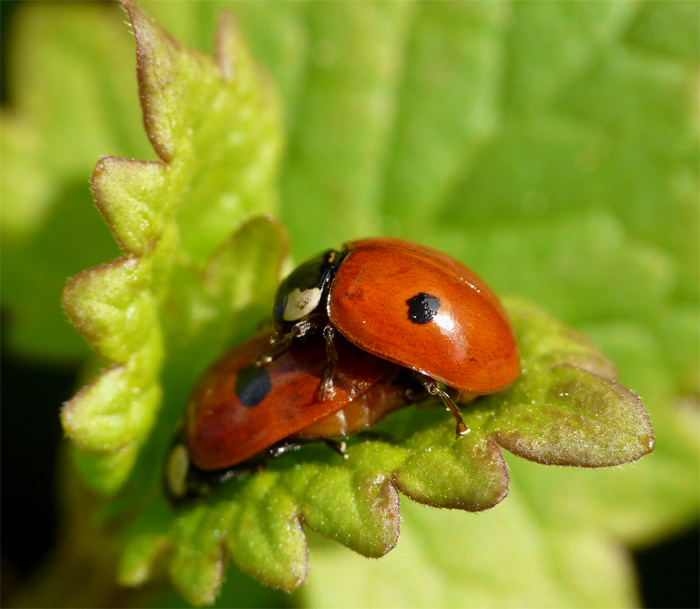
<point x="551" y="146"/>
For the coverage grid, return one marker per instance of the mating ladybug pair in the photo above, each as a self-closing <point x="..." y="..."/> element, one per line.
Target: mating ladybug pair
<point x="358" y="333"/>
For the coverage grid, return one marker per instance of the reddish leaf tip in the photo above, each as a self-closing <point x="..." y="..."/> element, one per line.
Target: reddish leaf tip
<point x="226" y="33"/>
<point x="150" y="40"/>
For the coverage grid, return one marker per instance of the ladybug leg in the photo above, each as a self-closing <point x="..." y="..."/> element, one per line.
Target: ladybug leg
<point x="282" y="448"/>
<point x="331" y="361"/>
<point x="279" y="342"/>
<point x="431" y="385"/>
<point x="338" y="447"/>
<point x="290" y="446"/>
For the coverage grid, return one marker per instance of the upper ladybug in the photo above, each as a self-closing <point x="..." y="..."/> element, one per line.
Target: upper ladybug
<point x="405" y="303"/>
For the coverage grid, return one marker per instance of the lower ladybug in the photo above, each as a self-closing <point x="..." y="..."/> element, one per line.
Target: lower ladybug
<point x="239" y="413"/>
<point x="405" y="303"/>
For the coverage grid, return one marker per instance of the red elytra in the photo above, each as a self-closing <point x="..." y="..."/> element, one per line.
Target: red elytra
<point x="238" y="409"/>
<point x="467" y="343"/>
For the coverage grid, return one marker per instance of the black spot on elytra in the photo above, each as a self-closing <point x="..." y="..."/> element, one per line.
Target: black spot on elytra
<point x="422" y="308"/>
<point x="252" y="385"/>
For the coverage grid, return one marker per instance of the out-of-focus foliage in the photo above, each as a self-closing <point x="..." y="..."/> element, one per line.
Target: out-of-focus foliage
<point x="170" y="217"/>
<point x="551" y="146"/>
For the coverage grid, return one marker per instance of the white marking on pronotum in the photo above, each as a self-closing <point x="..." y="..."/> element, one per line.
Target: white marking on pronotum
<point x="300" y="304"/>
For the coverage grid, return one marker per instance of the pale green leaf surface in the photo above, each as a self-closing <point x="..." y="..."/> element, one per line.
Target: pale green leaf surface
<point x="504" y="557"/>
<point x="470" y="474"/>
<point x="350" y="97"/>
<point x="455" y="108"/>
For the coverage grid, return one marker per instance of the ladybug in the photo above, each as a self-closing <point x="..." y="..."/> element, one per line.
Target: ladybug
<point x="407" y="304"/>
<point x="239" y="414"/>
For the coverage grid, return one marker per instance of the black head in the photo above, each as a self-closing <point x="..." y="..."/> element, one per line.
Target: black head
<point x="305" y="291"/>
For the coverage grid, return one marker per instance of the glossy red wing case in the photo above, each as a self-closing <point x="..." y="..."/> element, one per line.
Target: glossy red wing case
<point x="239" y="409"/>
<point x="469" y="344"/>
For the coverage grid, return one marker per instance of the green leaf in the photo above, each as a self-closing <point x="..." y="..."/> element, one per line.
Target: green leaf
<point x="560" y="411"/>
<point x="566" y="409"/>
<point x="470" y="474"/>
<point x="580" y="420"/>
<point x="215" y="131"/>
<point x="198" y="560"/>
<point x="266" y="537"/>
<point x="503" y="557"/>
